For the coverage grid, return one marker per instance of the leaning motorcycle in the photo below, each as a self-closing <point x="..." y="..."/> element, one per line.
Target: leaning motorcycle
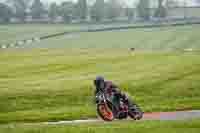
<point x="109" y="111"/>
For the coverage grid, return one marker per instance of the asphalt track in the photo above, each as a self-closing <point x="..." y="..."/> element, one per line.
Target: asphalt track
<point x="178" y="115"/>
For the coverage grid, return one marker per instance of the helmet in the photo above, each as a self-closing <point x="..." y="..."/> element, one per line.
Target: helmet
<point x="99" y="82"/>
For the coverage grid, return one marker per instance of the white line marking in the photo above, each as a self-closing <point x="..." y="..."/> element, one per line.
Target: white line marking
<point x="180" y="115"/>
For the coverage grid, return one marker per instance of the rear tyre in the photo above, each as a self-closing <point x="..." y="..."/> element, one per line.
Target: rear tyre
<point x="135" y="112"/>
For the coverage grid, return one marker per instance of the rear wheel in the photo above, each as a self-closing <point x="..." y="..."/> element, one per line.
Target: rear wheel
<point x="135" y="112"/>
<point x="104" y="112"/>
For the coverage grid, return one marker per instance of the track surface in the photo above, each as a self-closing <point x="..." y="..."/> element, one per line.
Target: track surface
<point x="178" y="115"/>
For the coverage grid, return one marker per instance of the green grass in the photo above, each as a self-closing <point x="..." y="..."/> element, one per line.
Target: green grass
<point x="166" y="38"/>
<point x="12" y="33"/>
<point x="55" y="84"/>
<point x="17" y="32"/>
<point x="187" y="126"/>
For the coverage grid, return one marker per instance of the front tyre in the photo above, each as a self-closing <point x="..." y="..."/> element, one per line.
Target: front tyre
<point x="104" y="112"/>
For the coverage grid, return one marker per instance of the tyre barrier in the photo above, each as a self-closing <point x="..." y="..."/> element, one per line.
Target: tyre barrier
<point x="3" y="46"/>
<point x="21" y="43"/>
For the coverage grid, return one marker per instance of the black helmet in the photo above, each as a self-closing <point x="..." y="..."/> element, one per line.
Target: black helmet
<point x="99" y="82"/>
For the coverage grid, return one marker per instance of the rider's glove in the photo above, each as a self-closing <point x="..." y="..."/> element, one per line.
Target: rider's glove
<point x="96" y="100"/>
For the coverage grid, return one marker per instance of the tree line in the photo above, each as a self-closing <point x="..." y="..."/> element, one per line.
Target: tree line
<point x="100" y="10"/>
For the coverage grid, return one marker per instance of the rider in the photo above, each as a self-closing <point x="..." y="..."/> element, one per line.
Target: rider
<point x="110" y="89"/>
<point x="114" y="94"/>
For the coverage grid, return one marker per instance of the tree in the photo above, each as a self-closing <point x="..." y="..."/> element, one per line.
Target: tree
<point x="37" y="9"/>
<point x="67" y="11"/>
<point x="161" y="11"/>
<point x="97" y="10"/>
<point x="53" y="11"/>
<point x="82" y="9"/>
<point x="172" y="3"/>
<point x="5" y="13"/>
<point x="130" y="13"/>
<point x="113" y="9"/>
<point x="143" y="9"/>
<point x="20" y="7"/>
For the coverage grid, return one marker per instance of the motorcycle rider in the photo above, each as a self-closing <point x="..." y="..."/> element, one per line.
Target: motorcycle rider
<point x="111" y="91"/>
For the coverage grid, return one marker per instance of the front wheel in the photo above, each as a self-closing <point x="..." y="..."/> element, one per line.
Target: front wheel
<point x="104" y="112"/>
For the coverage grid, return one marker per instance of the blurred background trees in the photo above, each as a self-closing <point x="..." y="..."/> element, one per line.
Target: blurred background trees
<point x="96" y="11"/>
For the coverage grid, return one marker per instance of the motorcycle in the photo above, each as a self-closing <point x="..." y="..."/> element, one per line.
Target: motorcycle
<point x="109" y="111"/>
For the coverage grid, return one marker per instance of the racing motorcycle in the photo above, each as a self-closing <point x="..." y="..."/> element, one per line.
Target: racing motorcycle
<point x="108" y="111"/>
